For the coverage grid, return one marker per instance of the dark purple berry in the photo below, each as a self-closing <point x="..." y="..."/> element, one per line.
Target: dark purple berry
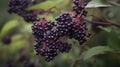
<point x="76" y="2"/>
<point x="6" y="40"/>
<point x="64" y="47"/>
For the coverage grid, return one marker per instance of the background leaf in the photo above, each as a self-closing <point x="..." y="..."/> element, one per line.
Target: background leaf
<point x="114" y="39"/>
<point x="107" y="29"/>
<point x="45" y="5"/>
<point x="8" y="26"/>
<point x="97" y="3"/>
<point x="95" y="51"/>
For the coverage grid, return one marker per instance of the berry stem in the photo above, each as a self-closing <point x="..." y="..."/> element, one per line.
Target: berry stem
<point x="82" y="48"/>
<point x="104" y="22"/>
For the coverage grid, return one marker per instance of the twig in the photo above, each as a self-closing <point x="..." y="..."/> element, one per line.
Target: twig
<point x="81" y="52"/>
<point x="79" y="58"/>
<point x="114" y="24"/>
<point x="103" y="22"/>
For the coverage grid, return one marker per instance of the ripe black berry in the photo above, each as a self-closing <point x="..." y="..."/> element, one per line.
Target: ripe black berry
<point x="6" y="40"/>
<point x="76" y="2"/>
<point x="64" y="47"/>
<point x="29" y="16"/>
<point x="49" y="25"/>
<point x="63" y="17"/>
<point x="38" y="30"/>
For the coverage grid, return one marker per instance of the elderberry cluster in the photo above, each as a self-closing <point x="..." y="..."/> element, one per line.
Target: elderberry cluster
<point x="52" y="38"/>
<point x="79" y="8"/>
<point x="19" y="6"/>
<point x="71" y="28"/>
<point x="47" y="39"/>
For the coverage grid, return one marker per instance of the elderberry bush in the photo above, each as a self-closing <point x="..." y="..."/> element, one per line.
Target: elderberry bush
<point x="52" y="36"/>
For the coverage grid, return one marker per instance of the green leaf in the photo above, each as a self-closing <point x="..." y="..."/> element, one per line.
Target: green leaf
<point x="114" y="39"/>
<point x="63" y="2"/>
<point x="49" y="17"/>
<point x="17" y="37"/>
<point x="95" y="51"/>
<point x="8" y="26"/>
<point x="107" y="29"/>
<point x="45" y="5"/>
<point x="97" y="3"/>
<point x="26" y="29"/>
<point x="115" y="4"/>
<point x="17" y="44"/>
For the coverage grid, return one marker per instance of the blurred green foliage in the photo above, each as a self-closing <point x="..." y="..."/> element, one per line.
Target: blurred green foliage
<point x="103" y="49"/>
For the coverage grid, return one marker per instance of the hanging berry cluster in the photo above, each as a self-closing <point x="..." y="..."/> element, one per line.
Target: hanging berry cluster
<point x="52" y="36"/>
<point x="19" y="6"/>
